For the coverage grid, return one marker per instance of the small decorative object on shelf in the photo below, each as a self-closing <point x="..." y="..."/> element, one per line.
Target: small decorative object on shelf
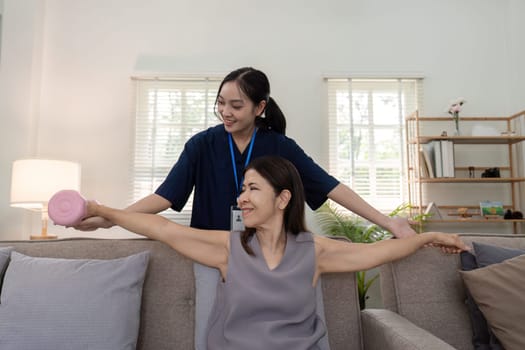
<point x="454" y="110"/>
<point x="463" y="212"/>
<point x="491" y="209"/>
<point x="491" y="172"/>
<point x="432" y="211"/>
<point x="513" y="215"/>
<point x="471" y="172"/>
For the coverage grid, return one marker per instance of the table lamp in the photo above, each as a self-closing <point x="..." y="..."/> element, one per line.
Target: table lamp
<point x="35" y="181"/>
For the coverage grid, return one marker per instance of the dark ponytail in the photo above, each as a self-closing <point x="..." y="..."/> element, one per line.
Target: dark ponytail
<point x="255" y="85"/>
<point x="273" y="118"/>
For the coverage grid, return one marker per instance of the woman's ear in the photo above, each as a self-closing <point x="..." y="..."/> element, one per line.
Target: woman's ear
<point x="259" y="109"/>
<point x="284" y="199"/>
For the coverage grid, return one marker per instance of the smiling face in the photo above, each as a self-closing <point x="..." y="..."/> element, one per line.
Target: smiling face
<point x="237" y="111"/>
<point x="260" y="205"/>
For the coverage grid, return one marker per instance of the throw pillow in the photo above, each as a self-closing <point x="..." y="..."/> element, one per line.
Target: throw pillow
<point x="5" y="253"/>
<point x="499" y="291"/>
<point x="482" y="337"/>
<point x="49" y="303"/>
<point x="489" y="254"/>
<point x="485" y="254"/>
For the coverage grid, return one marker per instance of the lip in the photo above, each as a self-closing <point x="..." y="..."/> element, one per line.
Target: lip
<point x="228" y="122"/>
<point x="246" y="211"/>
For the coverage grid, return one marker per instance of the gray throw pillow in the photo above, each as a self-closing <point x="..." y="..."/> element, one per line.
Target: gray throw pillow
<point x="5" y="253"/>
<point x="49" y="303"/>
<point x="487" y="254"/>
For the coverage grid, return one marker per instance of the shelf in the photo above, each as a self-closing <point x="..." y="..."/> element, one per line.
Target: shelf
<point x="480" y="220"/>
<point x="505" y="141"/>
<point x="471" y="180"/>
<point x="472" y="140"/>
<point x="416" y="117"/>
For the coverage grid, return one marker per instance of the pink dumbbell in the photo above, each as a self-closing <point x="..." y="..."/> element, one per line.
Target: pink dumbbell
<point x="67" y="208"/>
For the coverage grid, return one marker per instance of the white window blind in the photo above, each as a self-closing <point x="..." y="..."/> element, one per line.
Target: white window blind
<point x="168" y="112"/>
<point x="366" y="136"/>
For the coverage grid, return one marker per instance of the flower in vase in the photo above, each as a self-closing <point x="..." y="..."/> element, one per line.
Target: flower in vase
<point x="454" y="109"/>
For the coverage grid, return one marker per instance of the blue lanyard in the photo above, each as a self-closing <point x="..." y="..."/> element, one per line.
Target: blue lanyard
<point x="250" y="148"/>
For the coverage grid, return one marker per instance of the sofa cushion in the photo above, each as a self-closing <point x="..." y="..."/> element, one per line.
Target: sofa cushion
<point x="487" y="254"/>
<point x="5" y="253"/>
<point x="499" y="291"/>
<point x="482" y="337"/>
<point x="484" y="255"/>
<point x="49" y="303"/>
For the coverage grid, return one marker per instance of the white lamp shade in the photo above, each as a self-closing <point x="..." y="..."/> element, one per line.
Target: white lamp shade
<point x="35" y="181"/>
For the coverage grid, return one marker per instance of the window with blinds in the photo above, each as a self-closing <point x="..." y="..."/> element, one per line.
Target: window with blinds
<point x="366" y="136"/>
<point x="168" y="112"/>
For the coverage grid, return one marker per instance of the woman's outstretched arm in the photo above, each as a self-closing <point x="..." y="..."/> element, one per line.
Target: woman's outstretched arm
<point x="208" y="247"/>
<point x="150" y="204"/>
<point x="338" y="256"/>
<point x="345" y="196"/>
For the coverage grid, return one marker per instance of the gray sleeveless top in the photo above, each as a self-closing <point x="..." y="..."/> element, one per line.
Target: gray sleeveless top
<point x="259" y="308"/>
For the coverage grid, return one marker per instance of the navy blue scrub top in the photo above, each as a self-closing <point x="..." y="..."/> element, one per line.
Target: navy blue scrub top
<point x="205" y="163"/>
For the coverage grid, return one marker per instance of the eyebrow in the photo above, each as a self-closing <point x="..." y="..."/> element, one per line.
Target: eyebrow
<point x="233" y="101"/>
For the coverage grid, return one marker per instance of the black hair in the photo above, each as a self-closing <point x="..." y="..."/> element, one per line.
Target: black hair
<point x="282" y="175"/>
<point x="255" y="85"/>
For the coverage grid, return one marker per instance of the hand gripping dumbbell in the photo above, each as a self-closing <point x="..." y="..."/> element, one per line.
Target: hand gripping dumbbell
<point x="67" y="208"/>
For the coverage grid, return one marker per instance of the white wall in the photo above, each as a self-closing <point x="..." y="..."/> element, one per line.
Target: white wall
<point x="65" y="89"/>
<point x="516" y="53"/>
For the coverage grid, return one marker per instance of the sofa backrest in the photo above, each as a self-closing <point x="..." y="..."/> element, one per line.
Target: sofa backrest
<point x="168" y="301"/>
<point x="427" y="289"/>
<point x="167" y="312"/>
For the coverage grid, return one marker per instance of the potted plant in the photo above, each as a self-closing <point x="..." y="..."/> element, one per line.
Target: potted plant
<point x="335" y="222"/>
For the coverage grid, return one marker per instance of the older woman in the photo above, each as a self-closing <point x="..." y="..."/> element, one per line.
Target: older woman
<point x="266" y="295"/>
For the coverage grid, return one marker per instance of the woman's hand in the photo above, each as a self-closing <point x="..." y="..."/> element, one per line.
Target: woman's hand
<point x="93" y="223"/>
<point x="449" y="243"/>
<point x="400" y="227"/>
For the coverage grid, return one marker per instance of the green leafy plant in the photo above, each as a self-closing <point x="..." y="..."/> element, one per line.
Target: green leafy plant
<point x="336" y="222"/>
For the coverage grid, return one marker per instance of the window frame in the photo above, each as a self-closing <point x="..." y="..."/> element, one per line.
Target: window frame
<point x="399" y="192"/>
<point x="148" y="131"/>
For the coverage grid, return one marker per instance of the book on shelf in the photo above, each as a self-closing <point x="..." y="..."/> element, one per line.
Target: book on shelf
<point x="447" y="158"/>
<point x="428" y="155"/>
<point x="439" y="158"/>
<point x="491" y="209"/>
<point x="433" y="212"/>
<point x="425" y="166"/>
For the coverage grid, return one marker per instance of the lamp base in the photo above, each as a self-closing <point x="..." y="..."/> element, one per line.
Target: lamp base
<point x="40" y="237"/>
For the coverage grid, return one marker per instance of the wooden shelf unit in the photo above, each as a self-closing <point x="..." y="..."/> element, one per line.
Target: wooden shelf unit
<point x="514" y="135"/>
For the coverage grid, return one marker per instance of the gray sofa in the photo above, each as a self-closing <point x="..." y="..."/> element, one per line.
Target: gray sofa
<point x="425" y="300"/>
<point x="168" y="300"/>
<point x="423" y="296"/>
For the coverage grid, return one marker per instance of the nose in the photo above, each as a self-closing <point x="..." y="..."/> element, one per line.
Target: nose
<point x="242" y="198"/>
<point x="224" y="110"/>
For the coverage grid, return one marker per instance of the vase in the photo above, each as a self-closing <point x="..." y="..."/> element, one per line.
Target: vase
<point x="456" y="131"/>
